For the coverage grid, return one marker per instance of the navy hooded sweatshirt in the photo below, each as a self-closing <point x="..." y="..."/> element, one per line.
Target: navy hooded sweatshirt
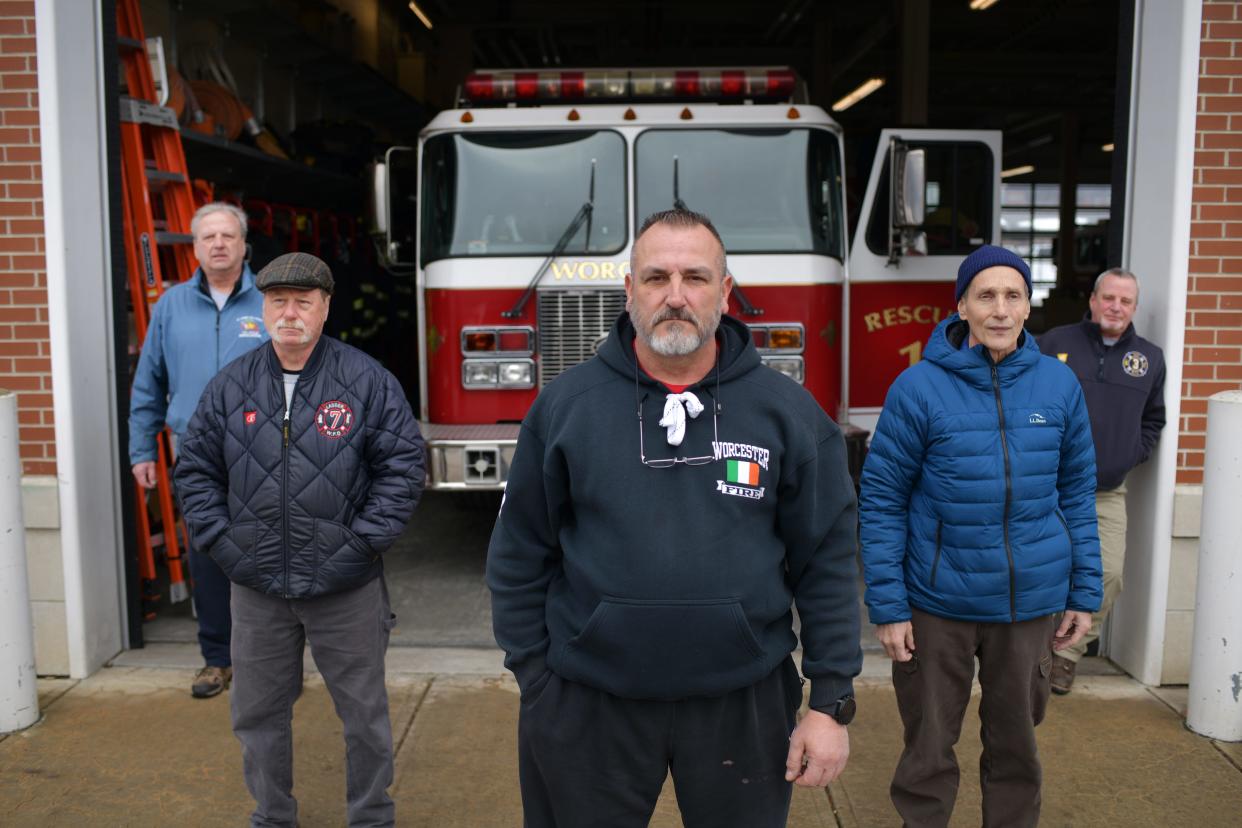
<point x="677" y="582"/>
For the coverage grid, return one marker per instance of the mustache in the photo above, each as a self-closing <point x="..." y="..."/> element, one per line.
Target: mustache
<point x="297" y="325"/>
<point x="671" y="315"/>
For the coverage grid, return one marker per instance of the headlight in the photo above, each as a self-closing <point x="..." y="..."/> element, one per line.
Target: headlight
<point x="488" y="373"/>
<point x="787" y="365"/>
<point x="516" y="374"/>
<point x="478" y="374"/>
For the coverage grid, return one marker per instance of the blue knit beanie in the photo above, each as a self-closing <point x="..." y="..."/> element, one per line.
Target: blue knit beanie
<point x="990" y="256"/>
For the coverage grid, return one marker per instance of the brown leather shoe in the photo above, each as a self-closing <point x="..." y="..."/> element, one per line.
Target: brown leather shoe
<point x="211" y="681"/>
<point x="1062" y="674"/>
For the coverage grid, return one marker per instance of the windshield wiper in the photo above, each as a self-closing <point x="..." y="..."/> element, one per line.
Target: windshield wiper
<point x="583" y="215"/>
<point x="678" y="204"/>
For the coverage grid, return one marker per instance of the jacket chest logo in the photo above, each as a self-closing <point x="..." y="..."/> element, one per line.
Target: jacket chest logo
<point x="334" y="419"/>
<point x="249" y="327"/>
<point x="1134" y="364"/>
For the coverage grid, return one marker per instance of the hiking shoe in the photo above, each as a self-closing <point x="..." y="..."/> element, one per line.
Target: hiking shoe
<point x="210" y="681"/>
<point x="1062" y="674"/>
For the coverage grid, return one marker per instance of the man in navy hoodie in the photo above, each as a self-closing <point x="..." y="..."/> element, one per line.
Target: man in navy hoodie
<point x="670" y="500"/>
<point x="197" y="328"/>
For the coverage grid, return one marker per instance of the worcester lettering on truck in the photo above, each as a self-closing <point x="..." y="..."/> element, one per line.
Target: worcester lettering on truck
<point x="530" y="191"/>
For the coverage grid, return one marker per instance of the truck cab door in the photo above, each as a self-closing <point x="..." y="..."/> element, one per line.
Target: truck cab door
<point x="915" y="227"/>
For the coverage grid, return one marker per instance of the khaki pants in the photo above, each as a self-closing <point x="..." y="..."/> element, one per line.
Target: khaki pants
<point x="933" y="689"/>
<point x="1110" y="510"/>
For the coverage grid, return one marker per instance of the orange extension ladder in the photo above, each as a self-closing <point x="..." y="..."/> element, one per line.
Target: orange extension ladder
<point x="158" y="205"/>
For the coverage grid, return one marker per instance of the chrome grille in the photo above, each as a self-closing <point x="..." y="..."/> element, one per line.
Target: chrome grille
<point x="572" y="323"/>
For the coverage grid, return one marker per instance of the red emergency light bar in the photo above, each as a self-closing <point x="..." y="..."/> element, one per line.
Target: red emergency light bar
<point x="503" y="87"/>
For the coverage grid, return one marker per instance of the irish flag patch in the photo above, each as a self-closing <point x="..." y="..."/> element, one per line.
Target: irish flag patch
<point x="740" y="471"/>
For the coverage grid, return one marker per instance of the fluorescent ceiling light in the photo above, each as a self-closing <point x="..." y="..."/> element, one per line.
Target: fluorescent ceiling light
<point x="1107" y="147"/>
<point x="1012" y="171"/>
<point x="420" y="14"/>
<point x="858" y="94"/>
<point x="981" y="5"/>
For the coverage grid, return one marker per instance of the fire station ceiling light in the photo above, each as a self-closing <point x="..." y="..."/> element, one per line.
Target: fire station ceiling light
<point x="981" y="5"/>
<point x="1015" y="171"/>
<point x="1107" y="147"/>
<point x="420" y="14"/>
<point x="858" y="94"/>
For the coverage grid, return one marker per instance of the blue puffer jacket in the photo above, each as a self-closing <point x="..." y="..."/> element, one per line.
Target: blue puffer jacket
<point x="978" y="494"/>
<point x="302" y="506"/>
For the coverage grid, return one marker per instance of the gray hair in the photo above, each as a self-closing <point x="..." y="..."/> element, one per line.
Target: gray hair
<point x="682" y="219"/>
<point x="219" y="207"/>
<point x="1116" y="271"/>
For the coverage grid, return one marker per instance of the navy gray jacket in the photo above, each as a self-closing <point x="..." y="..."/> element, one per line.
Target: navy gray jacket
<point x="304" y="506"/>
<point x="1124" y="387"/>
<point x="678" y="581"/>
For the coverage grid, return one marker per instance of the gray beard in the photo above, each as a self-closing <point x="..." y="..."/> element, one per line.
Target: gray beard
<point x="677" y="341"/>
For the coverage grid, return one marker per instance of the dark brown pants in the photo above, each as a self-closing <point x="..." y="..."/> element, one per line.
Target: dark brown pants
<point x="933" y="690"/>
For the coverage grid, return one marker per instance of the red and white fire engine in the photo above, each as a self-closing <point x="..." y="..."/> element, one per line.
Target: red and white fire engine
<point x="529" y="194"/>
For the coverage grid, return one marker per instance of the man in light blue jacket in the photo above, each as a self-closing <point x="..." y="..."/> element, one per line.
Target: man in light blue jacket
<point x="197" y="328"/>
<point x="979" y="542"/>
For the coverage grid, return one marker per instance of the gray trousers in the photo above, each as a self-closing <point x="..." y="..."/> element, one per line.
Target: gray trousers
<point x="348" y="635"/>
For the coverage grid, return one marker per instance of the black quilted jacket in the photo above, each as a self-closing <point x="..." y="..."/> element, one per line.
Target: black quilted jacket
<point x="306" y="507"/>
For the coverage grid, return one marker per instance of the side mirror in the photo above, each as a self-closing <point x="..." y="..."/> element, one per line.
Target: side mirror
<point x="907" y="200"/>
<point x="909" y="187"/>
<point x="394" y="201"/>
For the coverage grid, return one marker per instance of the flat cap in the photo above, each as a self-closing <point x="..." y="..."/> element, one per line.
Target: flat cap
<point x="295" y="270"/>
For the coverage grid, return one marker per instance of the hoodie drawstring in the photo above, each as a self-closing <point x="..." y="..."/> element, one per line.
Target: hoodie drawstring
<point x="674" y="418"/>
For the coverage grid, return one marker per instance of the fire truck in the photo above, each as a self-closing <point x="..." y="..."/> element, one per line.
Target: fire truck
<point x="530" y="191"/>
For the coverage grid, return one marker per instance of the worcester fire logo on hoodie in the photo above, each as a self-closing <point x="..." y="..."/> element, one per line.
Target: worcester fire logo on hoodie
<point x="744" y="465"/>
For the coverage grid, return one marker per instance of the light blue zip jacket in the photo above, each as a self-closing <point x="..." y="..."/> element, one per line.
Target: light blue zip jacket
<point x="188" y="342"/>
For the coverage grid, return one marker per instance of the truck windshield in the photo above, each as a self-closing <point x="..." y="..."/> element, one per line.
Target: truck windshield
<point x="514" y="194"/>
<point x="766" y="190"/>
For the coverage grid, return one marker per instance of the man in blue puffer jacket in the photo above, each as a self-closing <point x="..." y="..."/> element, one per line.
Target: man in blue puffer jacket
<point x="979" y="541"/>
<point x="299" y="469"/>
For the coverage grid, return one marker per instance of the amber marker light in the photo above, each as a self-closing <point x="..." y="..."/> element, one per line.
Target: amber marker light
<point x="474" y="341"/>
<point x="785" y="338"/>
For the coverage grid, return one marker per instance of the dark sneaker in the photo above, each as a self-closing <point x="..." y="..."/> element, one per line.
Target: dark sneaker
<point x="1062" y="674"/>
<point x="210" y="681"/>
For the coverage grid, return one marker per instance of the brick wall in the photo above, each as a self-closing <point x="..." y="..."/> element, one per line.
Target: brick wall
<point x="1213" y="356"/>
<point x="25" y="355"/>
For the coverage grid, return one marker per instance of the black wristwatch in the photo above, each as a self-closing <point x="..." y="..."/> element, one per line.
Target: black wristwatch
<point x="843" y="710"/>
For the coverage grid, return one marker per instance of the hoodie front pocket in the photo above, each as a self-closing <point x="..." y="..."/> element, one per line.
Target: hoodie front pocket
<point x="664" y="649"/>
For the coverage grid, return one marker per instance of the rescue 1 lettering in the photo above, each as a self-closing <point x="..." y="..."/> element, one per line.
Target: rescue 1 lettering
<point x="904" y="315"/>
<point x="590" y="271"/>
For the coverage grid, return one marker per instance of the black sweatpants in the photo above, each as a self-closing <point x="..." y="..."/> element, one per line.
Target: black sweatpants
<point x="588" y="758"/>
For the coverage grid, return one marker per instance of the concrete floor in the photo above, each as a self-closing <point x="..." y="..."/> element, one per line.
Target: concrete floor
<point x="435" y="579"/>
<point x="129" y="746"/>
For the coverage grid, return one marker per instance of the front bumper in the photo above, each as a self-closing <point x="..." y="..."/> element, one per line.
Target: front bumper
<point x="469" y="457"/>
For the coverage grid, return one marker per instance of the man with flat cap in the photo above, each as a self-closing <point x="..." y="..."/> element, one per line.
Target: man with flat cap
<point x="300" y="467"/>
